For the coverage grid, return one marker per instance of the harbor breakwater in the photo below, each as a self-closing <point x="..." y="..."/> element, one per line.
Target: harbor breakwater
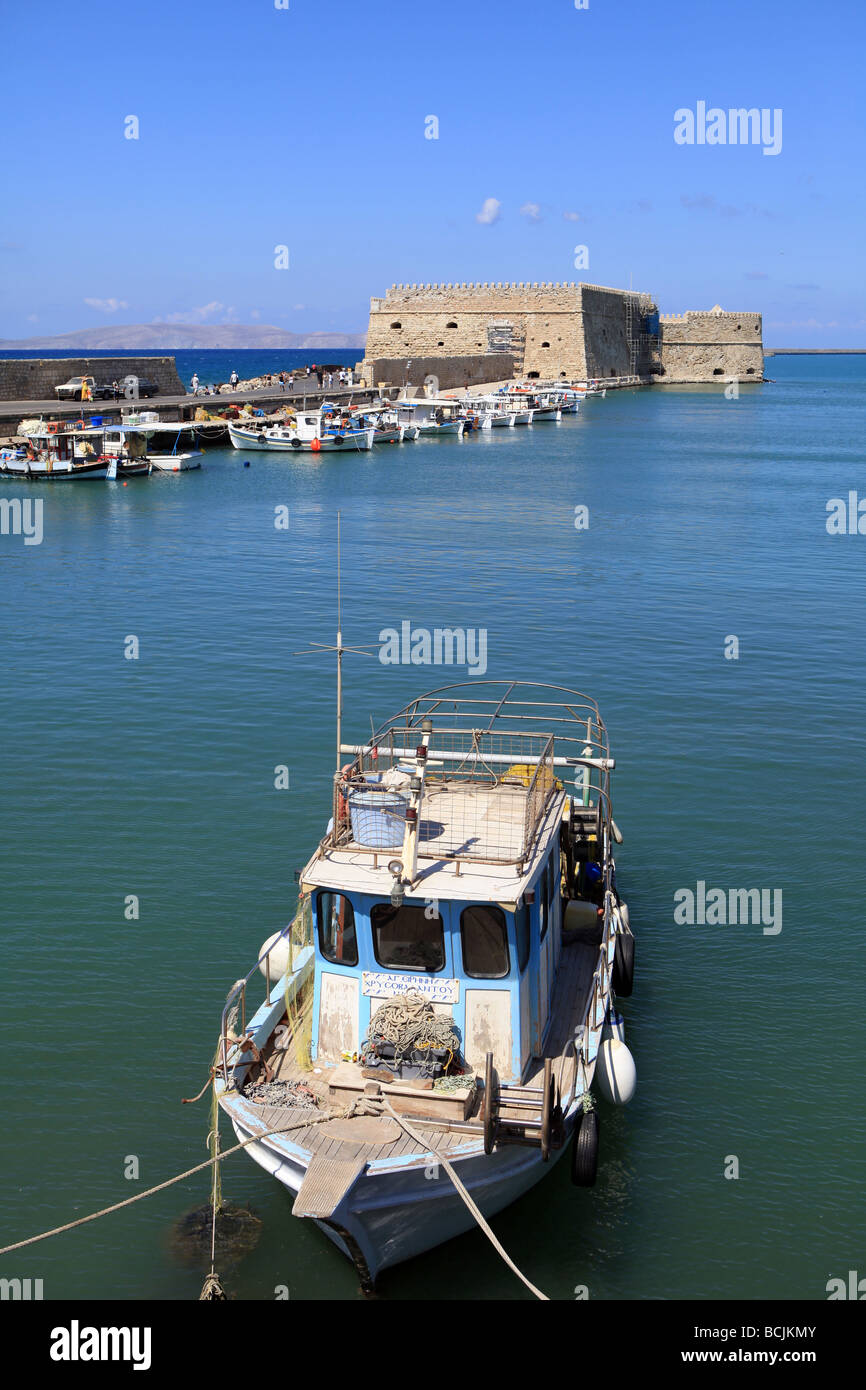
<point x="34" y="378"/>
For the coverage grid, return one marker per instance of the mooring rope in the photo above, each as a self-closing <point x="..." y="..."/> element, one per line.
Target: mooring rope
<point x="460" y="1188"/>
<point x="366" y="1104"/>
<point x="169" y="1182"/>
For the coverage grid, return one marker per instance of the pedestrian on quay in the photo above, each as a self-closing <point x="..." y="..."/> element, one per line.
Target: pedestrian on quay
<point x="194" y="383"/>
<point x="320" y="376"/>
<point x="290" y="383"/>
<point x="233" y="379"/>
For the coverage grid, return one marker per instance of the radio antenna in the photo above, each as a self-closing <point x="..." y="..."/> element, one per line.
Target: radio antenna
<point x="316" y="647"/>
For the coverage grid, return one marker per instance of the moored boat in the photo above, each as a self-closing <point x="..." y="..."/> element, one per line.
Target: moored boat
<point x="433" y="416"/>
<point x="446" y="993"/>
<point x="310" y="431"/>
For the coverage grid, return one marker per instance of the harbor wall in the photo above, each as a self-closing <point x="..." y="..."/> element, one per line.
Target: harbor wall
<point x="699" y="346"/>
<point x="473" y="368"/>
<point x="34" y="378"/>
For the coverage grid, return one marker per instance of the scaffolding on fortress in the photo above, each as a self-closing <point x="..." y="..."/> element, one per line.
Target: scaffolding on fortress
<point x="644" y="347"/>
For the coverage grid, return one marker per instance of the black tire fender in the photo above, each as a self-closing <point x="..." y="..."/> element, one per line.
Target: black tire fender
<point x="584" y="1149"/>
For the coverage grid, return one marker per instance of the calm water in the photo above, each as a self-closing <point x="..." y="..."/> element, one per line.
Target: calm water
<point x="155" y="777"/>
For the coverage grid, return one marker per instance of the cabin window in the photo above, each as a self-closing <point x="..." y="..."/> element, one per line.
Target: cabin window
<point x="521" y="932"/>
<point x="337" y="940"/>
<point x="405" y="938"/>
<point x="543" y="892"/>
<point x="485" y="942"/>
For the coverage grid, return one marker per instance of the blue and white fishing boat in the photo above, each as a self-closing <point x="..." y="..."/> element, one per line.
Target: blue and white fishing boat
<point x="311" y="431"/>
<point x="438" y="1011"/>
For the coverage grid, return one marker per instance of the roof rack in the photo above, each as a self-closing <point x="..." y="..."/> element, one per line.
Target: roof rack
<point x="495" y="749"/>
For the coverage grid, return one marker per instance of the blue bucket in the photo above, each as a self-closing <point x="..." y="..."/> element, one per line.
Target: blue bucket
<point x="378" y="818"/>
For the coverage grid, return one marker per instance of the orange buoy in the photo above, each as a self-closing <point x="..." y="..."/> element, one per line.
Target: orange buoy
<point x="316" y="445"/>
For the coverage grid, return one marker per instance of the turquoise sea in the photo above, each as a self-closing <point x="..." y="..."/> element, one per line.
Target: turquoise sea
<point x="155" y="777"/>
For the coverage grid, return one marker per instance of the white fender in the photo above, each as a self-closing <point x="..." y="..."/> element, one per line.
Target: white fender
<point x="614" y="1026"/>
<point x="279" y="957"/>
<point x="615" y="1072"/>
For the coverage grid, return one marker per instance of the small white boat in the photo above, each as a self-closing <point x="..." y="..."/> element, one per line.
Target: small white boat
<point x="542" y="402"/>
<point x="311" y="431"/>
<point x="389" y="429"/>
<point x="394" y="1035"/>
<point x="433" y="416"/>
<point x="491" y="411"/>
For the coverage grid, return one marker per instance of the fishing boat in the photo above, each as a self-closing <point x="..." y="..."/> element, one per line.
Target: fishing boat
<point x="442" y="1004"/>
<point x="52" y="451"/>
<point x="544" y="405"/>
<point x="388" y="429"/>
<point x="311" y="431"/>
<point x="492" y="412"/>
<point x="433" y="416"/>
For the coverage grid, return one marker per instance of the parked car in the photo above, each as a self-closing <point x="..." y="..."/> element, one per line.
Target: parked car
<point x="73" y="389"/>
<point x="147" y="388"/>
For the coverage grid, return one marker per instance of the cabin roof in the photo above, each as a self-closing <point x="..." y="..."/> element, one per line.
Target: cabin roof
<point x="352" y="869"/>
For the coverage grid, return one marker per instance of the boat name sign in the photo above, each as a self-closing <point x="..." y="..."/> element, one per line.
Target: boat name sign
<point x="381" y="986"/>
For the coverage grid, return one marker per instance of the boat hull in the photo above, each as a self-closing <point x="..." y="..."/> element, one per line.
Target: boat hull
<point x="59" y="473"/>
<point x="175" y="463"/>
<point x="392" y="1215"/>
<point x="253" y="439"/>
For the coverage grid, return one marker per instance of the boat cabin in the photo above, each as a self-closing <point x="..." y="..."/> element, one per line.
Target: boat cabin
<point x="442" y="873"/>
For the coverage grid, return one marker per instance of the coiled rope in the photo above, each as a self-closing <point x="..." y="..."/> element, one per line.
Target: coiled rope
<point x="408" y="1021"/>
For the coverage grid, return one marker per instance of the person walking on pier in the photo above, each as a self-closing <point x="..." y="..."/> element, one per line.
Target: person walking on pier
<point x="194" y="383"/>
<point x="233" y="379"/>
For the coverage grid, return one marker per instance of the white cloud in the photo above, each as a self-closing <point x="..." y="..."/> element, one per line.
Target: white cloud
<point x="32" y="318"/>
<point x="532" y="211"/>
<point x="254" y="314"/>
<point x="571" y="216"/>
<point x="204" y="311"/>
<point x="107" y="306"/>
<point x="489" y="212"/>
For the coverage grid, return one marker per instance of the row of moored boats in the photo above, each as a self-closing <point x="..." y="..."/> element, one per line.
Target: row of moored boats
<point x="56" y="450"/>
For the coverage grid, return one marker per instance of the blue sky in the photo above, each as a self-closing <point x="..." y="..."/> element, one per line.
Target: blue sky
<point x="305" y="127"/>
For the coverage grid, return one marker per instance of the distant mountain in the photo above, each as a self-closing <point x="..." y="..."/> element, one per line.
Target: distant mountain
<point x="164" y="337"/>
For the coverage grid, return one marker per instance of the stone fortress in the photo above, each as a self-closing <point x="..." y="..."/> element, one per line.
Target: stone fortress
<point x="472" y="333"/>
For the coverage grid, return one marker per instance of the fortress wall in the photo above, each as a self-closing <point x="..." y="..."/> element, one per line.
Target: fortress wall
<point x="473" y="369"/>
<point x="699" y="346"/>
